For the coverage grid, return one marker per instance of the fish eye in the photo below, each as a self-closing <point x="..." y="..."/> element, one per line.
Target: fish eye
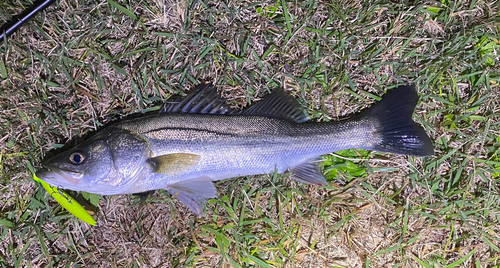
<point x="76" y="158"/>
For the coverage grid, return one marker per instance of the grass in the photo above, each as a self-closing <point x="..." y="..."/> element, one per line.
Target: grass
<point x="82" y="64"/>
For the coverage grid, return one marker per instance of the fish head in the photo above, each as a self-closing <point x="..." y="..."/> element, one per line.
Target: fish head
<point x="108" y="163"/>
<point x="79" y="168"/>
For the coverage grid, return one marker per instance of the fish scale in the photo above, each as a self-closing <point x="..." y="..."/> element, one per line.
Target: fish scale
<point x="198" y="140"/>
<point x="264" y="145"/>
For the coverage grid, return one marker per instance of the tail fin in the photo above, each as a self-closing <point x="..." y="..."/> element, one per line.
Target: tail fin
<point x="399" y="133"/>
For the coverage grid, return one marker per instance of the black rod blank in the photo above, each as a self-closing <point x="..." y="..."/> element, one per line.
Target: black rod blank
<point x="16" y="22"/>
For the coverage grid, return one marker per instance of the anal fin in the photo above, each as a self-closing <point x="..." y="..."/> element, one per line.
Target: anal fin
<point x="193" y="193"/>
<point x="308" y="172"/>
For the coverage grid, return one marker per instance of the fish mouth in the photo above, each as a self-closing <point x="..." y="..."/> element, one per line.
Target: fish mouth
<point x="57" y="175"/>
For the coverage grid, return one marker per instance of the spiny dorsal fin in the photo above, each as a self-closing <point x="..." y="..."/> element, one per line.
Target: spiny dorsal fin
<point x="170" y="164"/>
<point x="193" y="193"/>
<point x="308" y="172"/>
<point x="203" y="100"/>
<point x="279" y="105"/>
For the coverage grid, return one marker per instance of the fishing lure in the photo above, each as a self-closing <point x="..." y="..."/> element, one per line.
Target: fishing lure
<point x="67" y="202"/>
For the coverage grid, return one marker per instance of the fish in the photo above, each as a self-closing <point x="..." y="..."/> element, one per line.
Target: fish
<point x="197" y="140"/>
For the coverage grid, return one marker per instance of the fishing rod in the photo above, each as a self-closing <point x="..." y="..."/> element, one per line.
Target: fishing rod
<point x="15" y="23"/>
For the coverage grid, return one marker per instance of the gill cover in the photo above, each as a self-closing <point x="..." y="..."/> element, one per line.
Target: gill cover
<point x="108" y="163"/>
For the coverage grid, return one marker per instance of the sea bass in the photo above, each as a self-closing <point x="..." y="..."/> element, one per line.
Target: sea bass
<point x="197" y="140"/>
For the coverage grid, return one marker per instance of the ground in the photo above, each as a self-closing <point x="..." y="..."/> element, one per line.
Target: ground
<point x="83" y="64"/>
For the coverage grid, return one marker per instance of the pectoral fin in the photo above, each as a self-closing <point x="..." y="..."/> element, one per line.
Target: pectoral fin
<point x="170" y="164"/>
<point x="193" y="193"/>
<point x="309" y="173"/>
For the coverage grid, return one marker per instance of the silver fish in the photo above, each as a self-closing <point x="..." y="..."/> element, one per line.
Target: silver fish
<point x="198" y="140"/>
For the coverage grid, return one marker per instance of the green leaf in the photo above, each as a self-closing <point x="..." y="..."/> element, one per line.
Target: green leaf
<point x="433" y="9"/>
<point x="3" y="70"/>
<point x="421" y="262"/>
<point x="460" y="261"/>
<point x="350" y="168"/>
<point x="123" y="9"/>
<point x="7" y="224"/>
<point x="259" y="262"/>
<point x="92" y="198"/>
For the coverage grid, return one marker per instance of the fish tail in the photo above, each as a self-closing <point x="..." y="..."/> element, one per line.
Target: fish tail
<point x="397" y="131"/>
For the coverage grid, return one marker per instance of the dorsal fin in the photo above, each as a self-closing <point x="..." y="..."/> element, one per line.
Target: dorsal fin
<point x="203" y="100"/>
<point x="279" y="105"/>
